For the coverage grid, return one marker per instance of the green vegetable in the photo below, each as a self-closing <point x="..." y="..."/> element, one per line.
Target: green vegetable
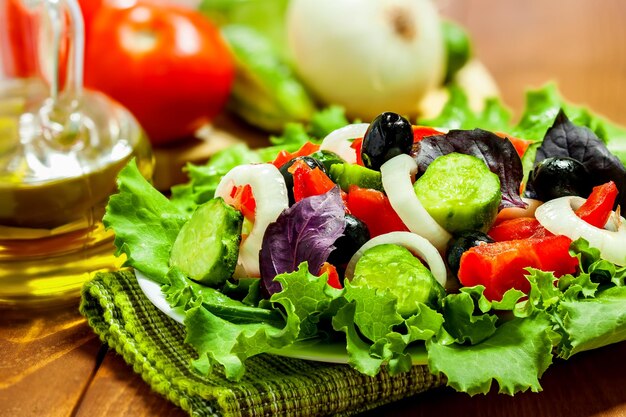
<point x="267" y="17"/>
<point x="403" y="275"/>
<point x="207" y="247"/>
<point x="460" y="192"/>
<point x="458" y="48"/>
<point x="266" y="93"/>
<point x="327" y="158"/>
<point x="145" y="223"/>
<point x="205" y="178"/>
<point x="346" y="175"/>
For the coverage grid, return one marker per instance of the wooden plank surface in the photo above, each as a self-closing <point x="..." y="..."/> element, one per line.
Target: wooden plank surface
<point x="47" y="359"/>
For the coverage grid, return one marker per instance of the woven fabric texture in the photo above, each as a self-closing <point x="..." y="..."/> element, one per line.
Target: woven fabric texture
<point x="153" y="344"/>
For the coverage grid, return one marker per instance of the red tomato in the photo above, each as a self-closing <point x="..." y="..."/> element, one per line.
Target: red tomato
<point x="168" y="65"/>
<point x="372" y="207"/>
<point x="597" y="209"/>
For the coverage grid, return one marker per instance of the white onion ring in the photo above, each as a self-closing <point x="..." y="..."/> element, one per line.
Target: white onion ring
<point x="397" y="174"/>
<point x="270" y="194"/>
<point x="558" y="217"/>
<point x="338" y="141"/>
<point x="416" y="244"/>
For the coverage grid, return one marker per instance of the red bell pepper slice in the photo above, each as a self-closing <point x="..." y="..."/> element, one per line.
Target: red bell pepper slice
<point x="520" y="145"/>
<point x="597" y="209"/>
<point x="500" y="266"/>
<point x="333" y="275"/>
<point x="518" y="228"/>
<point x="242" y="199"/>
<point x="308" y="182"/>
<point x="372" y="207"/>
<point x="305" y="150"/>
<point x="420" y="132"/>
<point x="357" y="145"/>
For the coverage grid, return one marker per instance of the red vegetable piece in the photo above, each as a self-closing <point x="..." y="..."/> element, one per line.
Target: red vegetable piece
<point x="519" y="228"/>
<point x="420" y="132"/>
<point x="520" y="145"/>
<point x="305" y="150"/>
<point x="308" y="182"/>
<point x="242" y="199"/>
<point x="333" y="275"/>
<point x="372" y="207"/>
<point x="597" y="209"/>
<point x="500" y="266"/>
<point x="553" y="253"/>
<point x="357" y="145"/>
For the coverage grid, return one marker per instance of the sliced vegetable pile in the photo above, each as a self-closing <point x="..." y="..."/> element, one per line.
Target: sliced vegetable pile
<point x="496" y="251"/>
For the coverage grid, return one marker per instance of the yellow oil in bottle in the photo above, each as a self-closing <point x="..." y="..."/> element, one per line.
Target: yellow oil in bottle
<point x="52" y="201"/>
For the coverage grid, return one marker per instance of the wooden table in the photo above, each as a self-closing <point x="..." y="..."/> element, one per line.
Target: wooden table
<point x="52" y="364"/>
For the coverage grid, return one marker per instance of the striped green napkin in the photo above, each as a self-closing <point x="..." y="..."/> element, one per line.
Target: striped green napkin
<point x="153" y="344"/>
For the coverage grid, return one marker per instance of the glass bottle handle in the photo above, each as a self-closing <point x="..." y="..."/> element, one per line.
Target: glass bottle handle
<point x="60" y="117"/>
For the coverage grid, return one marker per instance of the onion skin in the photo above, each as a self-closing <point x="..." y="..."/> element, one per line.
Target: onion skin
<point x="416" y="244"/>
<point x="270" y="194"/>
<point x="559" y="218"/>
<point x="368" y="56"/>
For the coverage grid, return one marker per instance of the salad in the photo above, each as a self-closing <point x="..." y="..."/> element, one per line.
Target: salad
<point x="495" y="246"/>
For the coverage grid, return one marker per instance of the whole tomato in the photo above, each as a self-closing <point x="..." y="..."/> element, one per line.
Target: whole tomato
<point x="168" y="65"/>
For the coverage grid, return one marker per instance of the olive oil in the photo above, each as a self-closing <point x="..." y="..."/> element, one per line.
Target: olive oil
<point x="52" y="197"/>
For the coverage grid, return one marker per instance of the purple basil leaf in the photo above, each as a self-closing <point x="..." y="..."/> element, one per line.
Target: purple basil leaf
<point x="499" y="154"/>
<point x="565" y="139"/>
<point x="305" y="231"/>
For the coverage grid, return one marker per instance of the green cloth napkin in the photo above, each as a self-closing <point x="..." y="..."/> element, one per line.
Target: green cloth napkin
<point x="153" y="344"/>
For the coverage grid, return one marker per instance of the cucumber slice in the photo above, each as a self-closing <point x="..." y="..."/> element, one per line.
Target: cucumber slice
<point x="346" y="175"/>
<point x="207" y="246"/>
<point x="403" y="274"/>
<point x="460" y="193"/>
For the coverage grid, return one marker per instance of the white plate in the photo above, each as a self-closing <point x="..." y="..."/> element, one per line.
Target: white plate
<point x="315" y="350"/>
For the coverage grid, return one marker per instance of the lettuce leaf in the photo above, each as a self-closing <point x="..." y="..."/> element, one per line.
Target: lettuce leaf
<point x="515" y="356"/>
<point x="145" y="223"/>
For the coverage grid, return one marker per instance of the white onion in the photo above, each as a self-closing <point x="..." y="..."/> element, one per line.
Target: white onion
<point x="270" y="194"/>
<point x="558" y="217"/>
<point x="414" y="243"/>
<point x="397" y="176"/>
<point x="368" y="56"/>
<point x="339" y="141"/>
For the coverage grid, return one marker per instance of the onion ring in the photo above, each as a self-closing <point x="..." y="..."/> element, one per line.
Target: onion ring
<point x="397" y="173"/>
<point x="558" y="217"/>
<point x="416" y="244"/>
<point x="270" y="194"/>
<point x="338" y="141"/>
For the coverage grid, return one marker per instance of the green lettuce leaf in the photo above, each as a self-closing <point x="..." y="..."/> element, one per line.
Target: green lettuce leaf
<point x="145" y="223"/>
<point x="466" y="317"/>
<point x="515" y="356"/>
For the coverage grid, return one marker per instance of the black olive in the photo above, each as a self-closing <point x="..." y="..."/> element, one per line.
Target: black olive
<point x="460" y="244"/>
<point x="558" y="177"/>
<point x="387" y="136"/>
<point x="284" y="170"/>
<point x="354" y="236"/>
